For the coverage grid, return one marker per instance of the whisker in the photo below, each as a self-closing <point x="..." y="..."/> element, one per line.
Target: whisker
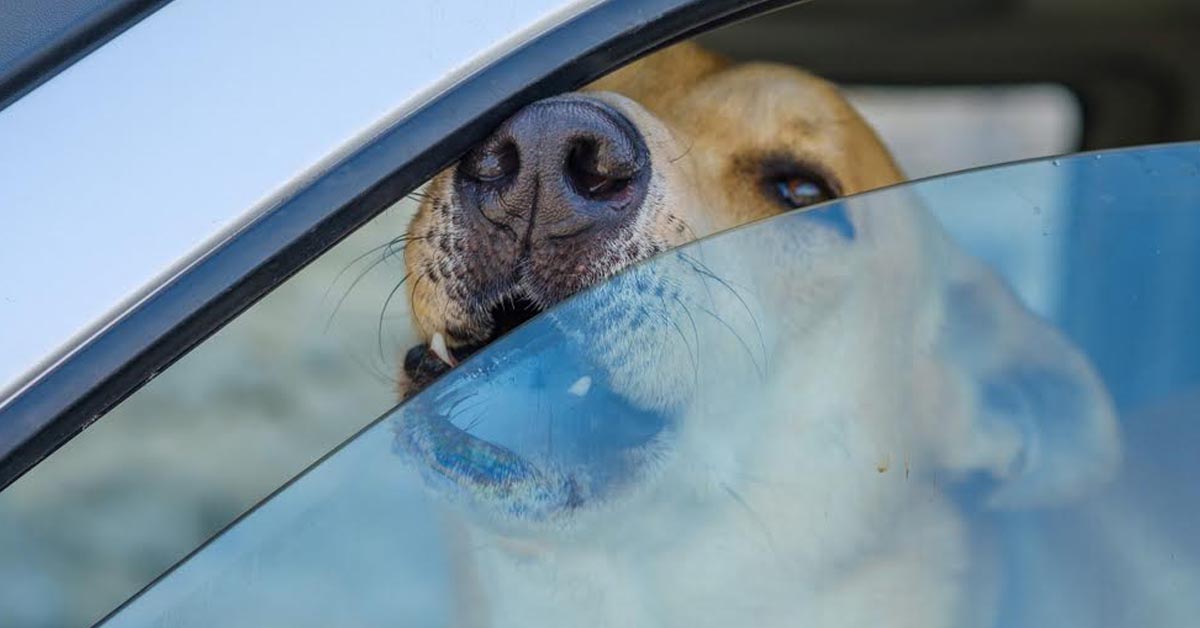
<point x="401" y="239"/>
<point x="351" y="264"/>
<point x="691" y="356"/>
<point x="712" y="301"/>
<point x="458" y="402"/>
<point x="393" y="250"/>
<point x="695" y="335"/>
<point x="345" y="295"/>
<point x="476" y="421"/>
<point x="754" y="516"/>
<point x="703" y="270"/>
<point x="692" y="231"/>
<point x="383" y="311"/>
<point x="760" y="370"/>
<point x="374" y="370"/>
<point x="456" y="413"/>
<point x="685" y="152"/>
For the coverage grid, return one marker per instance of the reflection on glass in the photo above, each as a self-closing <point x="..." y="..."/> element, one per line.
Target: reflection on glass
<point x="835" y="418"/>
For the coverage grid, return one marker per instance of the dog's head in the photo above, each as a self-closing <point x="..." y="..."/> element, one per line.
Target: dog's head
<point x="573" y="189"/>
<point x="895" y="348"/>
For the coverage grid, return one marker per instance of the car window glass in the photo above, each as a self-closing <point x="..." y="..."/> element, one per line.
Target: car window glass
<point x="771" y="418"/>
<point x="210" y="436"/>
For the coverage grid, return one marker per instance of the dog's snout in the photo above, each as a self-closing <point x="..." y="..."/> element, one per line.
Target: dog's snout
<point x="558" y="168"/>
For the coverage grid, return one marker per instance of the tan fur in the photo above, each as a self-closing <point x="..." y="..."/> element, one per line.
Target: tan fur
<point x="728" y="114"/>
<point x="708" y="122"/>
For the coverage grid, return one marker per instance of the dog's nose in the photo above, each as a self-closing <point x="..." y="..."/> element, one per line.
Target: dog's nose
<point x="558" y="168"/>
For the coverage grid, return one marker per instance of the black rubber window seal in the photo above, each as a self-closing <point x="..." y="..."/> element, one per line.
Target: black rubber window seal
<point x="69" y="43"/>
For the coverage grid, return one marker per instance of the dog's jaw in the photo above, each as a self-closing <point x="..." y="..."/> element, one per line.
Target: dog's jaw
<point x="471" y="291"/>
<point x="797" y="508"/>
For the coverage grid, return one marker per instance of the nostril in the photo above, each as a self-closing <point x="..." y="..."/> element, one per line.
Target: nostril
<point x="595" y="177"/>
<point x="491" y="162"/>
<point x="558" y="168"/>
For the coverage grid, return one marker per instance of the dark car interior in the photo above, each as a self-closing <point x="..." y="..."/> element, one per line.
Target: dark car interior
<point x="1125" y="71"/>
<point x="1131" y="63"/>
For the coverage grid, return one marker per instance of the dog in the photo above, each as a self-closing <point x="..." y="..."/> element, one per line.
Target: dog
<point x="779" y="417"/>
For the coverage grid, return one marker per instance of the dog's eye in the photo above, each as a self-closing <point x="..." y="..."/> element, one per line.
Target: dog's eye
<point x="797" y="190"/>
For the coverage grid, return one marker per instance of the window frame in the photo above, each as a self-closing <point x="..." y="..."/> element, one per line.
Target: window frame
<point x="62" y="39"/>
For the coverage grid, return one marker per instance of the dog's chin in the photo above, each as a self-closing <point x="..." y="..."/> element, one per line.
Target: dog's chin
<point x="425" y="363"/>
<point x="538" y="287"/>
<point x="530" y="432"/>
<point x="519" y="487"/>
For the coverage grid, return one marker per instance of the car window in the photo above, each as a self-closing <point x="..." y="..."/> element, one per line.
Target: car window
<point x="210" y="436"/>
<point x="843" y="403"/>
<point x="322" y="357"/>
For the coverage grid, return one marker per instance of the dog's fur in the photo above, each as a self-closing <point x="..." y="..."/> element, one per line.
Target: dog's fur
<point x="828" y="408"/>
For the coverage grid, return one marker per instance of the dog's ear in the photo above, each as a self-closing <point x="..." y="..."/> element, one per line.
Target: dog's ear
<point x="1038" y="418"/>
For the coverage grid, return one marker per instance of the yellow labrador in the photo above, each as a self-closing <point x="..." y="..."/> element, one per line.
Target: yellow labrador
<point x="810" y="420"/>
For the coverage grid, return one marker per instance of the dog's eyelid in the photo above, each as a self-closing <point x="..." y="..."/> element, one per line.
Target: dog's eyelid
<point x="794" y="183"/>
<point x="780" y="164"/>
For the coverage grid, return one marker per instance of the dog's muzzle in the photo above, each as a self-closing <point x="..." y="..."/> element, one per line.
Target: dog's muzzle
<point x="541" y="209"/>
<point x="529" y="430"/>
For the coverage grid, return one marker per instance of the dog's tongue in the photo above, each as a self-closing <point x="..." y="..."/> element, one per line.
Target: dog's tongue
<point x="527" y="424"/>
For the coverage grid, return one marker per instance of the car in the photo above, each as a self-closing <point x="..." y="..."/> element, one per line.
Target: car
<point x="204" y="277"/>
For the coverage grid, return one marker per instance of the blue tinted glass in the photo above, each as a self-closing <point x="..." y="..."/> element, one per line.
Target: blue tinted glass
<point x="966" y="401"/>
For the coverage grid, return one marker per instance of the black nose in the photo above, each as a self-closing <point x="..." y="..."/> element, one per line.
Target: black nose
<point x="559" y="168"/>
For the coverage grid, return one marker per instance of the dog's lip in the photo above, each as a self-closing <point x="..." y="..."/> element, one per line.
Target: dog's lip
<point x="447" y="453"/>
<point x="507" y="314"/>
<point x="529" y="430"/>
